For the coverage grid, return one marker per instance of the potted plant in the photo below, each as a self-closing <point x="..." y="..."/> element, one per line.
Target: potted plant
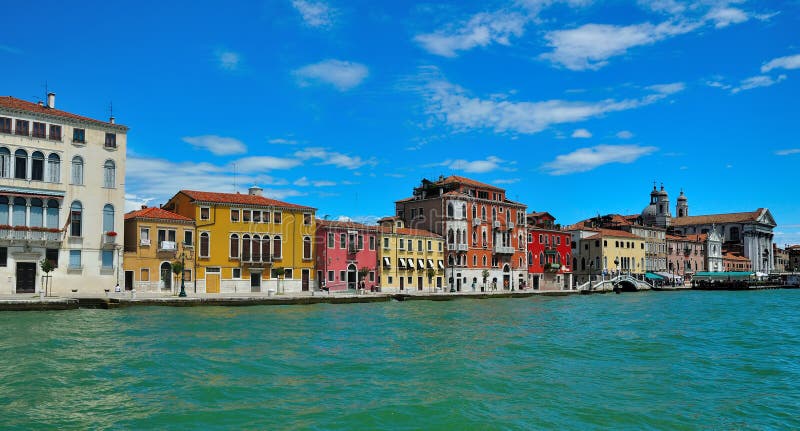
<point x="485" y="275"/>
<point x="177" y="269"/>
<point x="47" y="267"/>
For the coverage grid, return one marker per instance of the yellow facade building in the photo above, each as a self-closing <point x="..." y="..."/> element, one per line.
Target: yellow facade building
<point x="410" y="259"/>
<point x="249" y="243"/>
<point x="609" y="252"/>
<point x="154" y="240"/>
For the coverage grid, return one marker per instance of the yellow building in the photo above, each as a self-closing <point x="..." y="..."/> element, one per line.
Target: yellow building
<point x="410" y="259"/>
<point x="249" y="243"/>
<point x="154" y="239"/>
<point x="609" y="252"/>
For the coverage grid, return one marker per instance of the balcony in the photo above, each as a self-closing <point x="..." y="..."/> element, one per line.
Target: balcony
<point x="462" y="247"/>
<point x="499" y="249"/>
<point x="510" y="225"/>
<point x="109" y="239"/>
<point x="452" y="247"/>
<point x="167" y="246"/>
<point x="145" y="242"/>
<point x="24" y="233"/>
<point x="496" y="224"/>
<point x="477" y="221"/>
<point x="352" y="249"/>
<point x="552" y="267"/>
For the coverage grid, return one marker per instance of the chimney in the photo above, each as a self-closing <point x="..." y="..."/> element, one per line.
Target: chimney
<point x="111" y="119"/>
<point x="51" y="100"/>
<point x="144" y="207"/>
<point x="255" y="191"/>
<point x="41" y="103"/>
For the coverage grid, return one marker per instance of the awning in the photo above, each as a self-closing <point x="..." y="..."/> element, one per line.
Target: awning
<point x="421" y="263"/>
<point x="430" y="264"/>
<point x="441" y="264"/>
<point x="669" y="276"/>
<point x="652" y="276"/>
<point x="410" y="263"/>
<point x="387" y="262"/>
<point x="401" y="263"/>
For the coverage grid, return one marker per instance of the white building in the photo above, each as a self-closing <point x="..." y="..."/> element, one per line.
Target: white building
<point x="62" y="198"/>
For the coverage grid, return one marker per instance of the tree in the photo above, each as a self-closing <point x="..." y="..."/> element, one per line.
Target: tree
<point x="485" y="275"/>
<point x="47" y="268"/>
<point x="278" y="272"/>
<point x="177" y="269"/>
<point x="362" y="275"/>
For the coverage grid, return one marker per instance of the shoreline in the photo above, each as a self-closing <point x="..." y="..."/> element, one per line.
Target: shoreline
<point x="114" y="301"/>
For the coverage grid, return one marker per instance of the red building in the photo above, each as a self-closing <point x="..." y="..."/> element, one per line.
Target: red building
<point x="549" y="254"/>
<point x="347" y="255"/>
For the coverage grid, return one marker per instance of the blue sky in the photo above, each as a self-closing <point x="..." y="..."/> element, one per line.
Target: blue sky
<point x="574" y="106"/>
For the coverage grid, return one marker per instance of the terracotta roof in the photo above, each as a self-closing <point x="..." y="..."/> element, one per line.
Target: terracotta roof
<point x="239" y="199"/>
<point x="410" y="231"/>
<point x="614" y="233"/>
<point x="156" y="213"/>
<point x="691" y="238"/>
<point x="742" y="217"/>
<point x="344" y="225"/>
<point x="455" y="179"/>
<point x="541" y="214"/>
<point x="701" y="237"/>
<point x="732" y="256"/>
<point x="23" y="105"/>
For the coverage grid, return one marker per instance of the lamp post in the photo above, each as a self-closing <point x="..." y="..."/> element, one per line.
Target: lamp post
<point x="183" y="276"/>
<point x="616" y="263"/>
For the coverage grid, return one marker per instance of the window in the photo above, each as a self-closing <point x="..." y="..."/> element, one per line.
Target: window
<point x="276" y="248"/>
<point x="5" y="125"/>
<point x="237" y="273"/>
<point x="330" y="275"/>
<point x="419" y="245"/>
<point x="109" y="174"/>
<point x="430" y="245"/>
<point x="256" y="216"/>
<point x="144" y="236"/>
<point x="51" y="254"/>
<point x="265" y="256"/>
<point x="245" y="248"/>
<point x="205" y="213"/>
<point x="204" y="246"/>
<point x="331" y="240"/>
<point x="53" y="168"/>
<point x="75" y="214"/>
<point x="145" y="274"/>
<point x="307" y="247"/>
<point x="79" y="136"/>
<point x="5" y="163"/>
<point x="20" y="164"/>
<point x="3" y="256"/>
<point x="342" y="241"/>
<point x="108" y="259"/>
<point x="372" y="243"/>
<point x="361" y="242"/>
<point x="111" y="140"/>
<point x="371" y="276"/>
<point x="402" y="245"/>
<point x="265" y="216"/>
<point x="234" y="250"/>
<point x="188" y="238"/>
<point x="75" y="259"/>
<point x="36" y="213"/>
<point x="108" y="218"/>
<point x="410" y="245"/>
<point x="77" y="170"/>
<point x="37" y="166"/>
<point x="187" y="274"/>
<point x="246" y="216"/>
<point x="440" y="246"/>
<point x="277" y="218"/>
<point x="39" y="130"/>
<point x="386" y="243"/>
<point x="307" y="219"/>
<point x="55" y="132"/>
<point x="341" y="276"/>
<point x="234" y="215"/>
<point x="21" y="127"/>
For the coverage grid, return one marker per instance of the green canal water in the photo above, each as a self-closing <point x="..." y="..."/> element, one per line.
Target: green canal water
<point x="684" y="360"/>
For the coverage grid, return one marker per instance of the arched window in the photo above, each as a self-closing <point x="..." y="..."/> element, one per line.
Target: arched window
<point x="21" y="164"/>
<point x="530" y="257"/>
<point x="5" y="163"/>
<point x="109" y="174"/>
<point x="494" y="214"/>
<point x="52" y="214"/>
<point x="474" y="211"/>
<point x="77" y="170"/>
<point x="204" y="244"/>
<point x="75" y="216"/>
<point x="3" y="210"/>
<point x="520" y="242"/>
<point x="108" y="218"/>
<point x="475" y="260"/>
<point x="463" y="210"/>
<point x="18" y="213"/>
<point x="450" y="237"/>
<point x="53" y="168"/>
<point x="483" y="237"/>
<point x="484" y="260"/>
<point x="265" y="248"/>
<point x="583" y="263"/>
<point x="483" y="213"/>
<point x="450" y="260"/>
<point x="450" y="210"/>
<point x="307" y="247"/>
<point x="256" y="248"/>
<point x="245" y="248"/>
<point x="276" y="248"/>
<point x="234" y="253"/>
<point x="541" y="259"/>
<point x="474" y="239"/>
<point x="37" y="166"/>
<point x="37" y="213"/>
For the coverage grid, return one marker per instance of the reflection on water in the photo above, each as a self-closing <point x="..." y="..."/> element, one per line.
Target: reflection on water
<point x="650" y="360"/>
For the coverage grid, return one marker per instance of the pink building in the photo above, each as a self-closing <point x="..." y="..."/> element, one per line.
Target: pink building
<point x="686" y="255"/>
<point x="344" y="251"/>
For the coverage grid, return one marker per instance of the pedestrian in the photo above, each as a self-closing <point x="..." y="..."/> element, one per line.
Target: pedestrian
<point x="117" y="289"/>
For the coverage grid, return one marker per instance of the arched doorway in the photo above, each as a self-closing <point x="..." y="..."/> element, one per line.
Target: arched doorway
<point x="352" y="276"/>
<point x="506" y="277"/>
<point x="166" y="276"/>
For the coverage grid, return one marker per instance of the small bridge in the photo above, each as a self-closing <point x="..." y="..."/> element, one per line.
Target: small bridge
<point x="620" y="283"/>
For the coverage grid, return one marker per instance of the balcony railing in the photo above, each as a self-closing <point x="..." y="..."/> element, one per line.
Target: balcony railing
<point x="510" y="225"/>
<point x="26" y="234"/>
<point x="462" y="247"/>
<point x="497" y="224"/>
<point x="477" y="221"/>
<point x="109" y="239"/>
<point x="168" y="246"/>
<point x="144" y="242"/>
<point x="499" y="249"/>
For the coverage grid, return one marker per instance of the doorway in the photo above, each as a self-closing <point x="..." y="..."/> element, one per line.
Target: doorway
<point x="306" y="275"/>
<point x="128" y="280"/>
<point x="255" y="282"/>
<point x="402" y="279"/>
<point x="166" y="276"/>
<point x="506" y="277"/>
<point x="419" y="283"/>
<point x="26" y="277"/>
<point x="352" y="276"/>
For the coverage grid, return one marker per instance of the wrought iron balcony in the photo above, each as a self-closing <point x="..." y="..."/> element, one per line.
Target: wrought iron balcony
<point x="499" y="249"/>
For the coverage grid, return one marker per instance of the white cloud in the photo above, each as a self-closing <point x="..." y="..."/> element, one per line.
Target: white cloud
<point x="506" y="181"/>
<point x="323" y="183"/>
<point x="343" y="75"/>
<point x="788" y="62"/>
<point x="333" y="158"/>
<point x="670" y="7"/>
<point x="452" y="105"/>
<point x="756" y="82"/>
<point x="315" y="13"/>
<point x="591" y="45"/>
<point x="304" y="182"/>
<point x="490" y="164"/>
<point x="624" y="134"/>
<point x="788" y="152"/>
<point x="725" y="16"/>
<point x="282" y="141"/>
<point x="481" y="30"/>
<point x="217" y="145"/>
<point x="581" y="133"/>
<point x="228" y="60"/>
<point x="586" y="159"/>
<point x="265" y="163"/>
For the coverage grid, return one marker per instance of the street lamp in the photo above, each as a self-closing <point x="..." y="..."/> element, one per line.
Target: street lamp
<point x="616" y="263"/>
<point x="183" y="276"/>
